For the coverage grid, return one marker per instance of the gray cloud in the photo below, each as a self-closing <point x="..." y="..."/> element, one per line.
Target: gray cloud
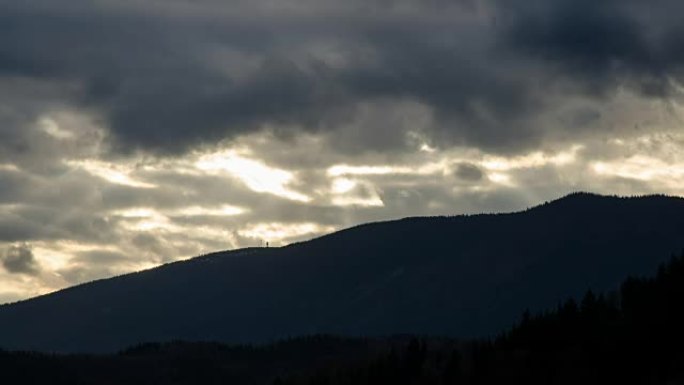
<point x="99" y="257"/>
<point x="468" y="172"/>
<point x="604" y="44"/>
<point x="165" y="77"/>
<point x="19" y="260"/>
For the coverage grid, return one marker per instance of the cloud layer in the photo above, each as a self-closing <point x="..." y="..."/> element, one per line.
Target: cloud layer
<point x="136" y="133"/>
<point x="167" y="76"/>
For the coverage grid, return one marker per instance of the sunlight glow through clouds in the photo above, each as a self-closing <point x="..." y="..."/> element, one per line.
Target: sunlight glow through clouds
<point x="658" y="160"/>
<point x="52" y="255"/>
<point x="373" y="201"/>
<point x="277" y="233"/>
<point x="253" y="173"/>
<point x="224" y="210"/>
<point x="50" y="127"/>
<point x="148" y="219"/>
<point x="14" y="287"/>
<point x="532" y="160"/>
<point x="117" y="174"/>
<point x="144" y="219"/>
<point x="644" y="168"/>
<point x="8" y="167"/>
<point x="343" y="169"/>
<point x="437" y="163"/>
<point x="56" y="261"/>
<point x="342" y="185"/>
<point x="190" y="211"/>
<point x="345" y="193"/>
<point x="501" y="178"/>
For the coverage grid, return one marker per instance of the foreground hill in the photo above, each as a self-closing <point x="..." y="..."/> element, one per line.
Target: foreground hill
<point x="633" y="335"/>
<point x="463" y="276"/>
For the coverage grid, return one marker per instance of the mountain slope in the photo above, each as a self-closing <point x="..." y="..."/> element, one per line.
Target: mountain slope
<point x="459" y="276"/>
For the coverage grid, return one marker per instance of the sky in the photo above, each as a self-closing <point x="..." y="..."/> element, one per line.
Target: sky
<point x="136" y="133"/>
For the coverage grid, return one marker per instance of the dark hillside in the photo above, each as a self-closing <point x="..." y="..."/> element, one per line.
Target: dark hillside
<point x="463" y="276"/>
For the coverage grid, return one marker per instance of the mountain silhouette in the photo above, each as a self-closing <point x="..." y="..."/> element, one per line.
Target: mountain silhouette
<point x="461" y="276"/>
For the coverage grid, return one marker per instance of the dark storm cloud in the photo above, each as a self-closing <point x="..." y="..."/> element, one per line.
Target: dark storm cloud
<point x="603" y="44"/>
<point x="19" y="260"/>
<point x="468" y="172"/>
<point x="167" y="76"/>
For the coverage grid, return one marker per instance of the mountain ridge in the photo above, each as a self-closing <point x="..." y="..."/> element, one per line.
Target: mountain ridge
<point x="464" y="276"/>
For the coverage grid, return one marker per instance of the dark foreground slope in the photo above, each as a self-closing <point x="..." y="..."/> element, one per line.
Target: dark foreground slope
<point x="633" y="335"/>
<point x="460" y="276"/>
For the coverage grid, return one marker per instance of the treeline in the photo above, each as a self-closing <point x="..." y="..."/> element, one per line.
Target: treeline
<point x="180" y="363"/>
<point x="634" y="335"/>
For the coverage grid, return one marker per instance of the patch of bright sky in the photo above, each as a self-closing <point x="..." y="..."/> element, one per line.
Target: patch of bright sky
<point x="50" y="127"/>
<point x="373" y="201"/>
<point x="56" y="255"/>
<point x="501" y="178"/>
<point x="255" y="174"/>
<point x="153" y="222"/>
<point x="644" y="168"/>
<point x="532" y="160"/>
<point x="658" y="160"/>
<point x="343" y="169"/>
<point x="143" y="212"/>
<point x="277" y="233"/>
<point x="143" y="220"/>
<point x="15" y="286"/>
<point x="428" y="168"/>
<point x="435" y="163"/>
<point x="224" y="210"/>
<point x="345" y="194"/>
<point x="342" y="185"/>
<point x="494" y="163"/>
<point x="113" y="173"/>
<point x="8" y="167"/>
<point x="148" y="219"/>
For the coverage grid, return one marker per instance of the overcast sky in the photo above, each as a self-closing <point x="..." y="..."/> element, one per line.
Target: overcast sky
<point x="134" y="133"/>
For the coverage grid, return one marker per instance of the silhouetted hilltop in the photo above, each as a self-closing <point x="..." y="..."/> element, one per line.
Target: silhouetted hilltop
<point x="462" y="276"/>
<point x="630" y="335"/>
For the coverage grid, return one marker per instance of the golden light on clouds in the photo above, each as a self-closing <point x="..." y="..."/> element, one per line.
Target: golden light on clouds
<point x="144" y="219"/>
<point x="349" y="192"/>
<point x="277" y="233"/>
<point x="8" y="167"/>
<point x="189" y="211"/>
<point x="429" y="166"/>
<point x="532" y="160"/>
<point x="52" y="128"/>
<point x="352" y="200"/>
<point x="255" y="174"/>
<point x="342" y="185"/>
<point x="644" y="168"/>
<point x="113" y="173"/>
<point x="183" y="206"/>
<point x="501" y="178"/>
<point x="223" y="210"/>
<point x="343" y="169"/>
